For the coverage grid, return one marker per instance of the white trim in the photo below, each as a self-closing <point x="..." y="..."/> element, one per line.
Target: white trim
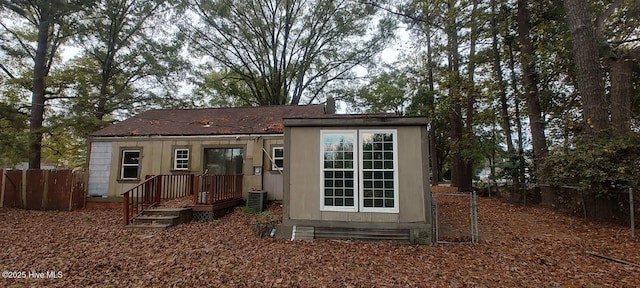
<point x="122" y="164"/>
<point x="274" y="158"/>
<point x="393" y="132"/>
<point x="354" y="134"/>
<point x="175" y="159"/>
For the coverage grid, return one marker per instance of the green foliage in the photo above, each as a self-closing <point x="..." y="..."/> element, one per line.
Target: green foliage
<point x="219" y="89"/>
<point x="126" y="66"/>
<point x="13" y="135"/>
<point x="64" y="143"/>
<point x="601" y="163"/>
<point x="285" y="51"/>
<point x="387" y="92"/>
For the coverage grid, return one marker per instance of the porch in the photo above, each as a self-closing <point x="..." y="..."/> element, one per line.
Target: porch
<point x="201" y="195"/>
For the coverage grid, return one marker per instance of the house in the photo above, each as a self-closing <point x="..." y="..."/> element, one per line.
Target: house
<point x="356" y="177"/>
<point x="338" y="176"/>
<point x="243" y="140"/>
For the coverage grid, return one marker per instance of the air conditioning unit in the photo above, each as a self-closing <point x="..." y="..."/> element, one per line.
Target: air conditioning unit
<point x="257" y="200"/>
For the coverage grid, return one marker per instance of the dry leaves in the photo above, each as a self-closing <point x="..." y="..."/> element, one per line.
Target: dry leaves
<point x="530" y="247"/>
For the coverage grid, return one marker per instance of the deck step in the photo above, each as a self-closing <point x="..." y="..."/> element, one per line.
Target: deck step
<point x="160" y="219"/>
<point x="166" y="211"/>
<point x="153" y="226"/>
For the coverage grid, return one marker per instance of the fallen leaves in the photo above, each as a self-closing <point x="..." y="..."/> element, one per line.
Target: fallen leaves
<point x="530" y="247"/>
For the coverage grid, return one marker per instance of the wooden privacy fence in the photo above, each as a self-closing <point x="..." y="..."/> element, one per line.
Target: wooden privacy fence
<point x="43" y="189"/>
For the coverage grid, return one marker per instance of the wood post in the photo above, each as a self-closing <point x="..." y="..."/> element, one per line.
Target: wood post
<point x="45" y="190"/>
<point x="23" y="190"/>
<point x="3" y="181"/>
<point x="196" y="191"/>
<point x="125" y="204"/>
<point x="631" y="212"/>
<point x="158" y="191"/>
<point x="212" y="188"/>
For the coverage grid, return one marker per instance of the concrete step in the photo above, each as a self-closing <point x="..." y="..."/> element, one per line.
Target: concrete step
<point x="362" y="234"/>
<point x="159" y="219"/>
<point x="302" y="233"/>
<point x="152" y="226"/>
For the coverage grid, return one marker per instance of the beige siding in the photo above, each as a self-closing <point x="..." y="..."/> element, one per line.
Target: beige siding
<point x="304" y="190"/>
<point x="304" y="195"/>
<point x="157" y="157"/>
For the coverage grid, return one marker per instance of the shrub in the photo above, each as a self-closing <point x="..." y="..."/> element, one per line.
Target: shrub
<point x="602" y="163"/>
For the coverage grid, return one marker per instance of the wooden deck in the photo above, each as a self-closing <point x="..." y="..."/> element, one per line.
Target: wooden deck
<point x="200" y="193"/>
<point x="217" y="206"/>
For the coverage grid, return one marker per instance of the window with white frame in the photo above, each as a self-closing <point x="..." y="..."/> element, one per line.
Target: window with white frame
<point x="181" y="159"/>
<point x="277" y="157"/>
<point x="359" y="171"/>
<point x="130" y="164"/>
<point x="339" y="170"/>
<point x="378" y="176"/>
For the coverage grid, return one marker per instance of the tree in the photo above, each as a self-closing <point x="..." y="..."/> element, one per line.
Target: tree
<point x="52" y="22"/>
<point x="502" y="88"/>
<point x="136" y="54"/>
<point x="13" y="133"/>
<point x="530" y="86"/>
<point x="286" y="50"/>
<point x="590" y="78"/>
<point x="387" y="92"/>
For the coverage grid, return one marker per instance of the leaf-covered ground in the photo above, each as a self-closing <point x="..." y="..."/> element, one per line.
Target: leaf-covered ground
<point x="519" y="247"/>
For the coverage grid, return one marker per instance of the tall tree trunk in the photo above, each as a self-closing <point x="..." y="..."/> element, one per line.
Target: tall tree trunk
<point x="621" y="92"/>
<point x="502" y="90"/>
<point x="433" y="148"/>
<point x="530" y="84"/>
<point x="516" y="99"/>
<point x="590" y="78"/>
<point x="36" y="117"/>
<point x="472" y="91"/>
<point x="458" y="170"/>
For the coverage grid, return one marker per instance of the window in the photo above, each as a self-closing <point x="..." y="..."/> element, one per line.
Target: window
<point x="339" y="169"/>
<point x="378" y="173"/>
<point x="224" y="160"/>
<point x="130" y="164"/>
<point x="181" y="159"/>
<point x="278" y="158"/>
<point x="359" y="177"/>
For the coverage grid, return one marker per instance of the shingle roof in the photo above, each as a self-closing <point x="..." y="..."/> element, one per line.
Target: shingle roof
<point x="209" y="121"/>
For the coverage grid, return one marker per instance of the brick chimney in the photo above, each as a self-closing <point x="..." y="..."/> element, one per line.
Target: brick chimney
<point x="330" y="106"/>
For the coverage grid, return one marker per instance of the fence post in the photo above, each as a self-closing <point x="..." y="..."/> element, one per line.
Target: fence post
<point x="125" y="204"/>
<point x="3" y="183"/>
<point x="23" y="189"/>
<point x="631" y="213"/>
<point x="158" y="191"/>
<point x="72" y="183"/>
<point x="584" y="204"/>
<point x="524" y="194"/>
<point x="44" y="202"/>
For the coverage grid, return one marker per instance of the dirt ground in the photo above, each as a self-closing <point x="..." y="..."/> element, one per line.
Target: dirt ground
<point x="519" y="247"/>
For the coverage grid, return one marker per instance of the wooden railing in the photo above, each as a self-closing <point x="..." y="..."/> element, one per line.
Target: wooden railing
<point x="217" y="188"/>
<point x="154" y="189"/>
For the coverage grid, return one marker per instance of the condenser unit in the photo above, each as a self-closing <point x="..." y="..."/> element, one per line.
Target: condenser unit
<point x="257" y="200"/>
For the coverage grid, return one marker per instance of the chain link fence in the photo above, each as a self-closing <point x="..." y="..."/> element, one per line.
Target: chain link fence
<point x="455" y="217"/>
